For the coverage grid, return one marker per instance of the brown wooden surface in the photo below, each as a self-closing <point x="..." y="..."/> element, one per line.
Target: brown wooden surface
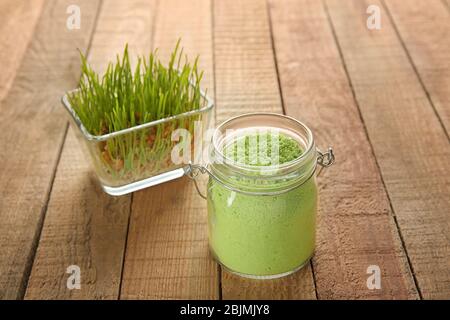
<point x="31" y="144"/>
<point x="410" y="145"/>
<point x="16" y="15"/>
<point x="352" y="234"/>
<point x="379" y="97"/>
<point x="92" y="225"/>
<point x="425" y="32"/>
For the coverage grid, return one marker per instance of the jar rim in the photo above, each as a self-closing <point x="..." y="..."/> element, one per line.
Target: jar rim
<point x="270" y="168"/>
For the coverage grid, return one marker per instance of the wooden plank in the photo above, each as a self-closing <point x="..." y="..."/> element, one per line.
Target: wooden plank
<point x="195" y="32"/>
<point x="33" y="132"/>
<point x="410" y="145"/>
<point x="246" y="81"/>
<point x="166" y="255"/>
<point x="19" y="18"/>
<point x="424" y="29"/>
<point x="356" y="228"/>
<point x="84" y="226"/>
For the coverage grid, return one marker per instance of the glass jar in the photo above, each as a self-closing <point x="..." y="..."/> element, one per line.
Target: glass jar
<point x="140" y="156"/>
<point x="262" y="219"/>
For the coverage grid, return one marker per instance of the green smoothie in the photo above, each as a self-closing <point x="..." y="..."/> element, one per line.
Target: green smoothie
<point x="262" y="235"/>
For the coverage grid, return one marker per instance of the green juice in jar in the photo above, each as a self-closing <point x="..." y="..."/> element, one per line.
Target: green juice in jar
<point x="262" y="235"/>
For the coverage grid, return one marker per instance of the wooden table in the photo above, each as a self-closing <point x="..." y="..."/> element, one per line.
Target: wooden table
<point x="381" y="98"/>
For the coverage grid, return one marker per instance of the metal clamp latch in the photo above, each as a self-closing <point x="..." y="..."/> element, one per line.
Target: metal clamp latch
<point x="192" y="171"/>
<point x="325" y="159"/>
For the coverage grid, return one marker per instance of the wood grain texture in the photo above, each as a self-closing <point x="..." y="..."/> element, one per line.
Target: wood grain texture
<point x="83" y="225"/>
<point x="18" y="20"/>
<point x="167" y="248"/>
<point x="121" y="23"/>
<point x="246" y="81"/>
<point x="411" y="146"/>
<point x="193" y="26"/>
<point x="355" y="226"/>
<point x="33" y="127"/>
<point x="425" y="31"/>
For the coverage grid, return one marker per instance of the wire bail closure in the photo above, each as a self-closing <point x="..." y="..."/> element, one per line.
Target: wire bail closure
<point x="192" y="171"/>
<point x="325" y="159"/>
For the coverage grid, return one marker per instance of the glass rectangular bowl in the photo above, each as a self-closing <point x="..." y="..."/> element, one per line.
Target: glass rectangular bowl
<point x="145" y="149"/>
